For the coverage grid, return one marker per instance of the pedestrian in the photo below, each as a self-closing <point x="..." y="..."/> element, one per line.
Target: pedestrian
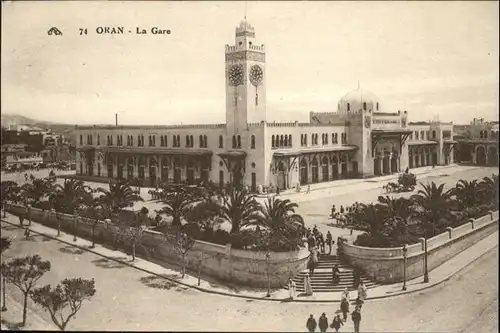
<point x="27" y="233"/>
<point x="407" y="170"/>
<point x="315" y="231"/>
<point x="26" y="177"/>
<point x="322" y="242"/>
<point x="359" y="302"/>
<point x="344" y="308"/>
<point x="345" y="294"/>
<point x="311" y="324"/>
<point x="341" y="209"/>
<point x="307" y="285"/>
<point x="356" y="318"/>
<point x="333" y="211"/>
<point x="336" y="323"/>
<point x="308" y="189"/>
<point x="362" y="291"/>
<point x="335" y="274"/>
<point x="292" y="287"/>
<point x="329" y="241"/>
<point x="277" y="190"/>
<point x="323" y="323"/>
<point x="356" y="277"/>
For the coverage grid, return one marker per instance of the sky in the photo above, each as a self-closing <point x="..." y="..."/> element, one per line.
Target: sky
<point x="434" y="59"/>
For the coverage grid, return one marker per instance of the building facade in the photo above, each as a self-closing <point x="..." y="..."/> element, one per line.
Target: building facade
<point x="359" y="139"/>
<point x="477" y="142"/>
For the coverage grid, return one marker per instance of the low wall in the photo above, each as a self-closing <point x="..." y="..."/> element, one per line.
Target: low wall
<point x="385" y="265"/>
<point x="222" y="262"/>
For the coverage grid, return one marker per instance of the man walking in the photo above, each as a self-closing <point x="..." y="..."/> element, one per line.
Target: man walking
<point x="344" y="308"/>
<point x="323" y="323"/>
<point x="356" y="318"/>
<point x="336" y="323"/>
<point x="329" y="241"/>
<point x="311" y="324"/>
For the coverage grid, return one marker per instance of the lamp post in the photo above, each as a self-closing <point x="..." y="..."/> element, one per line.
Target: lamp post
<point x="268" y="256"/>
<point x="405" y="253"/>
<point x="426" y="272"/>
<point x="4" y="305"/>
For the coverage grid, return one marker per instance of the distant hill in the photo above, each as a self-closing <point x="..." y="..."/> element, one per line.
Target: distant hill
<point x="68" y="130"/>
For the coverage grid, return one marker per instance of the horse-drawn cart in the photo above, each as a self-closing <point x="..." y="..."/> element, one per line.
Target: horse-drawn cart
<point x="406" y="183"/>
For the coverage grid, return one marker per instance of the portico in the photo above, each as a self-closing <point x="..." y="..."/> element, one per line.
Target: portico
<point x="387" y="148"/>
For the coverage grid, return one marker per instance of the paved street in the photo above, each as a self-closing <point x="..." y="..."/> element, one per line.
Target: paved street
<point x="127" y="299"/>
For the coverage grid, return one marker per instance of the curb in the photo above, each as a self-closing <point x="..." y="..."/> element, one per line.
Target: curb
<point x="251" y="297"/>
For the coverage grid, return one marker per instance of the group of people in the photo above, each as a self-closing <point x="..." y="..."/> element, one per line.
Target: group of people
<point x="338" y="321"/>
<point x="316" y="239"/>
<point x="344" y="216"/>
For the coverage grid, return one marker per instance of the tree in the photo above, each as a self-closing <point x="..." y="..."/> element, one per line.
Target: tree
<point x="371" y="219"/>
<point x="398" y="213"/>
<point x="183" y="244"/>
<point x="65" y="300"/>
<point x="489" y="190"/>
<point x="119" y="196"/>
<point x="5" y="244"/>
<point x="207" y="214"/>
<point x="24" y="274"/>
<point x="177" y="201"/>
<point x="68" y="198"/>
<point x="37" y="192"/>
<point x="239" y="208"/>
<point x="466" y="193"/>
<point x="434" y="205"/>
<point x="10" y="192"/>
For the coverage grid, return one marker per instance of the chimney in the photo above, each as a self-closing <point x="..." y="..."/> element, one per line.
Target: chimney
<point x="116" y="119"/>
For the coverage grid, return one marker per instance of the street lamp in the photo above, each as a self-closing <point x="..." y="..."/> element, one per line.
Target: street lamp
<point x="426" y="272"/>
<point x="405" y="253"/>
<point x="4" y="306"/>
<point x="268" y="256"/>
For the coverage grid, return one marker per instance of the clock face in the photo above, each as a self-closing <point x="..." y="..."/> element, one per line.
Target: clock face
<point x="256" y="75"/>
<point x="236" y="75"/>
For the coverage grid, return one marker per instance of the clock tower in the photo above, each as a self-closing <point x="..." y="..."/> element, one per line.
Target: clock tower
<point x="245" y="81"/>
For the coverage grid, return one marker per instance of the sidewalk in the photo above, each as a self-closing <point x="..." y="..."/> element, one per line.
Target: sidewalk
<point x="14" y="315"/>
<point x="437" y="275"/>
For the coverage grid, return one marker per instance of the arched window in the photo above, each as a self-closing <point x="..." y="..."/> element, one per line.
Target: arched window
<point x="302" y="139"/>
<point x="187" y="140"/>
<point x="205" y="139"/>
<point x="234" y="141"/>
<point x="281" y="141"/>
<point x="273" y="143"/>
<point x="175" y="141"/>
<point x="286" y="141"/>
<point x="201" y="141"/>
<point x="333" y="137"/>
<point x="221" y="141"/>
<point x="305" y="139"/>
<point x="348" y="106"/>
<point x="290" y="140"/>
<point x="191" y="141"/>
<point x="252" y="142"/>
<point x="239" y="141"/>
<point x="364" y="106"/>
<point x="433" y="134"/>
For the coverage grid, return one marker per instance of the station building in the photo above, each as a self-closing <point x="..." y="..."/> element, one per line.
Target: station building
<point x="477" y="142"/>
<point x="359" y="139"/>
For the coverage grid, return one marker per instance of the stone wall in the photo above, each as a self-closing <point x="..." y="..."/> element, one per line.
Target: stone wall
<point x="385" y="265"/>
<point x="219" y="261"/>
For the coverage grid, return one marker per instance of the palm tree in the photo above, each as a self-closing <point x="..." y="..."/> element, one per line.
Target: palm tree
<point x="36" y="191"/>
<point x="67" y="198"/>
<point x="206" y="213"/>
<point x="119" y="196"/>
<point x="466" y="193"/>
<point x="399" y="212"/>
<point x="239" y="208"/>
<point x="434" y="205"/>
<point x="177" y="200"/>
<point x="489" y="190"/>
<point x="371" y="219"/>
<point x="284" y="225"/>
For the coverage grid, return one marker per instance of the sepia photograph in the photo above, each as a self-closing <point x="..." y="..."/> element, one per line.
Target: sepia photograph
<point x="286" y="166"/>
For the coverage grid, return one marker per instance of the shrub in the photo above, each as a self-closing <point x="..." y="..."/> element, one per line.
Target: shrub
<point x="220" y="237"/>
<point x="192" y="230"/>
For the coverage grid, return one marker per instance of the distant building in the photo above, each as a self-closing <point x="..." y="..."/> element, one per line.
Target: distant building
<point x="359" y="139"/>
<point x="477" y="142"/>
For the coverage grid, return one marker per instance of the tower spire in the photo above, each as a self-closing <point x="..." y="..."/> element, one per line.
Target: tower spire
<point x="245" y="10"/>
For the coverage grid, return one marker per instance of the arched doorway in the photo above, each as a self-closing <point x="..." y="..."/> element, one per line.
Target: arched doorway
<point x="280" y="177"/>
<point x="303" y="172"/>
<point x="110" y="167"/>
<point x="190" y="173"/>
<point x="152" y="171"/>
<point x="164" y="170"/>
<point x="314" y="167"/>
<point x="410" y="158"/>
<point x="385" y="163"/>
<point x="343" y="161"/>
<point x="121" y="166"/>
<point x="324" y="168"/>
<point x="142" y="167"/>
<point x="394" y="162"/>
<point x="130" y="168"/>
<point x="480" y="155"/>
<point x="177" y="171"/>
<point x="335" y="168"/>
<point x="493" y="156"/>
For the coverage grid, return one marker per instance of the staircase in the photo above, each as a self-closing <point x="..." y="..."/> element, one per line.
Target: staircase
<point x="321" y="280"/>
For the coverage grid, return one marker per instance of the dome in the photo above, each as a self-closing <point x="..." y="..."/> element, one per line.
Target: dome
<point x="357" y="100"/>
